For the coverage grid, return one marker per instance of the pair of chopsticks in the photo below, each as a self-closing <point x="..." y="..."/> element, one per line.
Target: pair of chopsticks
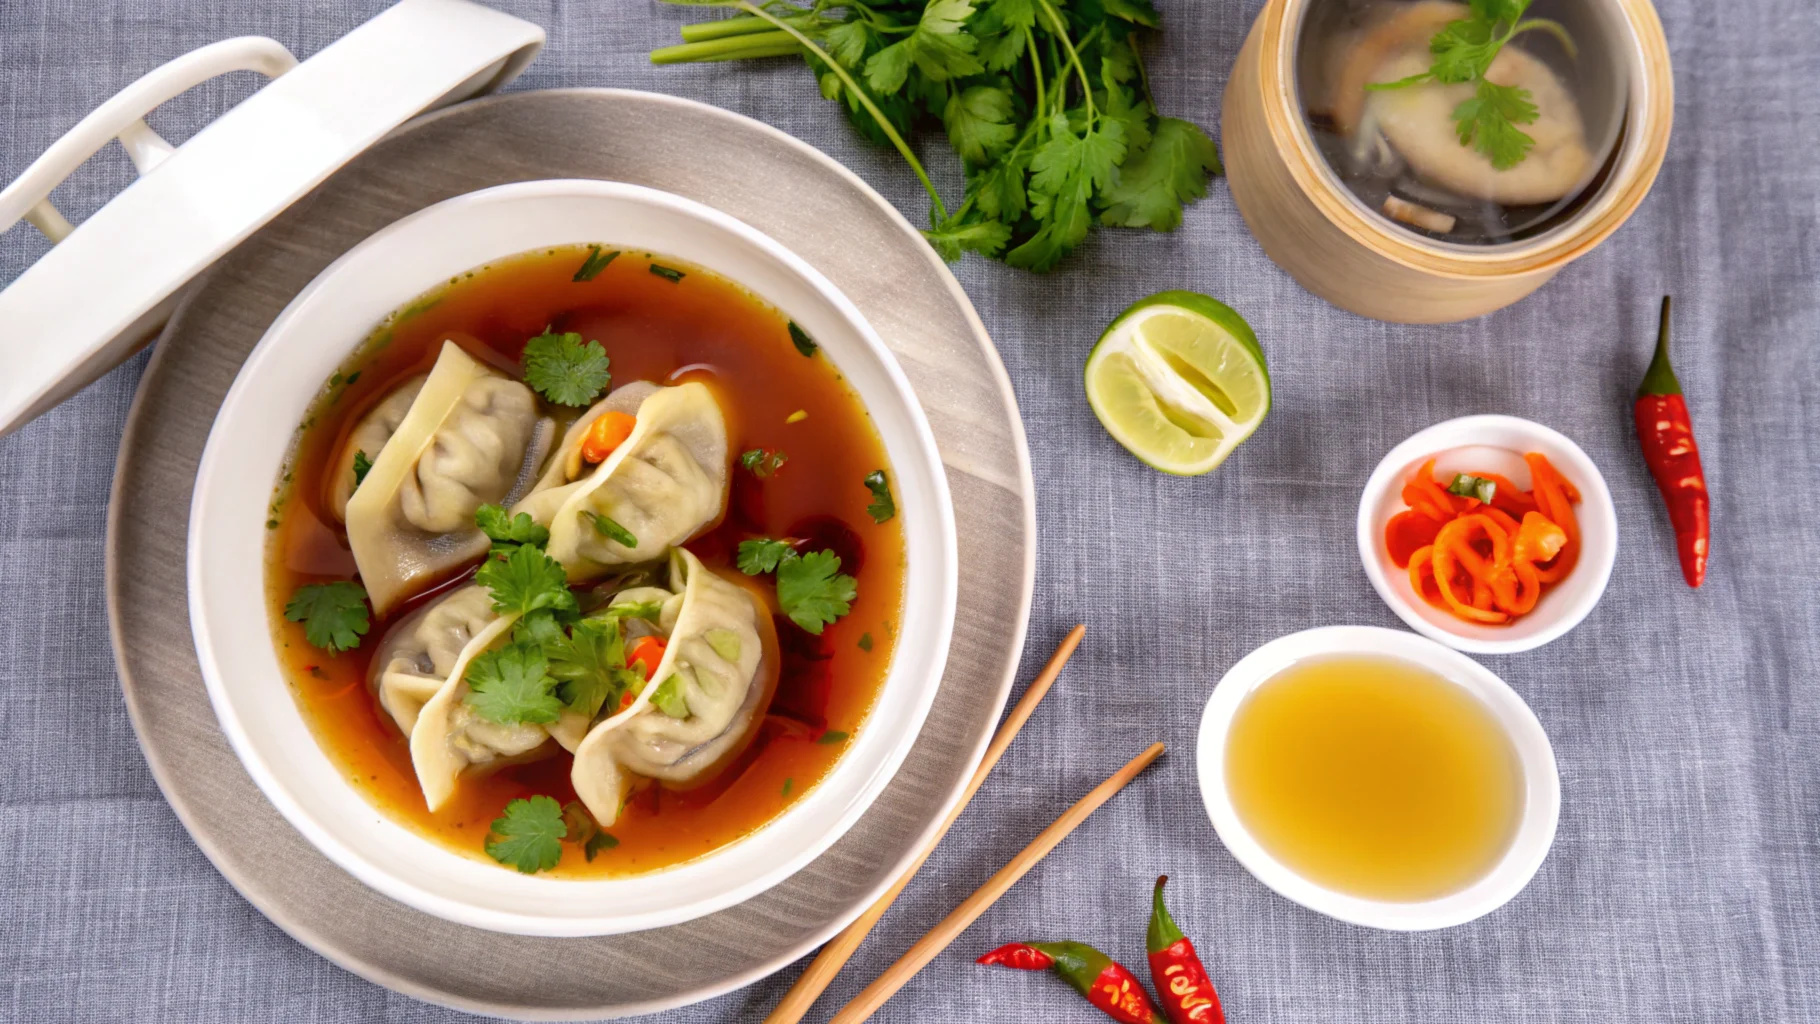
<point x="835" y="954"/>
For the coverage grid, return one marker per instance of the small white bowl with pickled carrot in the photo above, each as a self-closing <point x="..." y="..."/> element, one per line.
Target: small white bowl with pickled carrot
<point x="1493" y="577"/>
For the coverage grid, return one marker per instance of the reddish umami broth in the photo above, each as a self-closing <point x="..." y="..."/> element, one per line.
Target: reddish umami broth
<point x="703" y="328"/>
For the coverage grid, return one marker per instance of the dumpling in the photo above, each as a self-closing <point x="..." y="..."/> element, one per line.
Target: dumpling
<point x="720" y="664"/>
<point x="449" y="737"/>
<point x="369" y="436"/>
<point x="418" y="654"/>
<point x="567" y="470"/>
<point x="471" y="437"/>
<point x="661" y="486"/>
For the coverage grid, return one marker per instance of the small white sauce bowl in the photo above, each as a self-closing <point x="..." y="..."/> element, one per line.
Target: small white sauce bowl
<point x="1495" y="444"/>
<point x="1541" y="809"/>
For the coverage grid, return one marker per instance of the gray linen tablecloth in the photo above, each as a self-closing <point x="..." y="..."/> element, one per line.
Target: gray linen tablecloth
<point x="1685" y="882"/>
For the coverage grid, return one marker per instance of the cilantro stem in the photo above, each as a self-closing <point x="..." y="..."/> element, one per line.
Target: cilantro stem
<point x="734" y="47"/>
<point x="1553" y="28"/>
<point x="1143" y="76"/>
<point x="1036" y="69"/>
<point x="865" y="100"/>
<point x="1060" y="28"/>
<point x="703" y="31"/>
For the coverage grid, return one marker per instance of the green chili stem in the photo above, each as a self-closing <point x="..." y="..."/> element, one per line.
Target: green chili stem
<point x="865" y="100"/>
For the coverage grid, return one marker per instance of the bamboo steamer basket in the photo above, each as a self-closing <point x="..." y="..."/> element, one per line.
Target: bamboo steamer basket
<point x="1315" y="228"/>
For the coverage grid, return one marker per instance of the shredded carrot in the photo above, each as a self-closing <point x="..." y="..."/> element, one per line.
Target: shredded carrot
<point x="608" y="431"/>
<point x="1486" y="563"/>
<point x="646" y="652"/>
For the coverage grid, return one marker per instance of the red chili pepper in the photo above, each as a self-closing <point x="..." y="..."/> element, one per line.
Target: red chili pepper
<point x="1188" y="995"/>
<point x="1667" y="434"/>
<point x="1105" y="982"/>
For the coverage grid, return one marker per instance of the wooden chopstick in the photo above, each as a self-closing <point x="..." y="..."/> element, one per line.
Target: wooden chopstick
<point x="835" y="953"/>
<point x="898" y="974"/>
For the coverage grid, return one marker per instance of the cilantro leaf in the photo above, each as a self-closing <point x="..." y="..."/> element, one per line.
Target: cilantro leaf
<point x="800" y="338"/>
<point x="763" y="461"/>
<point x="588" y="664"/>
<point x="565" y="371"/>
<point x="1064" y="175"/>
<point x="1156" y="183"/>
<point x="939" y="48"/>
<point x="979" y="122"/>
<point x="540" y="628"/>
<point x="526" y="580"/>
<point x="669" y="697"/>
<point x="761" y="555"/>
<point x="362" y="466"/>
<point x="609" y="528"/>
<point x="813" y="591"/>
<point x="1488" y="122"/>
<point x="334" y="615"/>
<point x="831" y="737"/>
<point x="882" y="507"/>
<point x="506" y="529"/>
<point x="595" y="263"/>
<point x="670" y="274"/>
<point x="512" y="685"/>
<point x="957" y="235"/>
<point x="596" y="843"/>
<point x="528" y="836"/>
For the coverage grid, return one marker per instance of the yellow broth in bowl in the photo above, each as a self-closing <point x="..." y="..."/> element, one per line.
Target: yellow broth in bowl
<point x="1374" y="777"/>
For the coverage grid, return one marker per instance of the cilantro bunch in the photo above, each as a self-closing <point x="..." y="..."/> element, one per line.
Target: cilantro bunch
<point x="1463" y="51"/>
<point x="1045" y="102"/>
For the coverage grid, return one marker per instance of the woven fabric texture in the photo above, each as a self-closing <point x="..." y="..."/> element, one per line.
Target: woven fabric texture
<point x="1685" y="881"/>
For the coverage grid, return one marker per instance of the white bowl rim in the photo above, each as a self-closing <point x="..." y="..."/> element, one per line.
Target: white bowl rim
<point x="1555" y="614"/>
<point x="944" y="586"/>
<point x="1542" y="796"/>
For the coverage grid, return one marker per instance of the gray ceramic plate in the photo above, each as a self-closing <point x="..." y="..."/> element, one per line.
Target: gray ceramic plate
<point x="856" y="239"/>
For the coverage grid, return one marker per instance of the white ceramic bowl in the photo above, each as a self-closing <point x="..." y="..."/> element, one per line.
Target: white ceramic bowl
<point x="1495" y="444"/>
<point x="241" y="464"/>
<point x="1542" y="786"/>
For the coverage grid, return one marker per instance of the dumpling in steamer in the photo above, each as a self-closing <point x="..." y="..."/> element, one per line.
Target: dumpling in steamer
<point x="471" y="437"/>
<point x="370" y="436"/>
<point x="721" y="666"/>
<point x="418" y="654"/>
<point x="665" y="483"/>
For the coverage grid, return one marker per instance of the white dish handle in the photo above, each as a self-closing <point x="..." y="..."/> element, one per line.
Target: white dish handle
<point x="123" y="118"/>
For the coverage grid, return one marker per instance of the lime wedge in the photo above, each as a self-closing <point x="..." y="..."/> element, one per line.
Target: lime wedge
<point x="1179" y="380"/>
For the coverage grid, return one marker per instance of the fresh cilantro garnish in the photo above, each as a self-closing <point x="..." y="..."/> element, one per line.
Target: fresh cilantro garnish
<point x="882" y="507"/>
<point x="506" y="529"/>
<point x="590" y="665"/>
<point x="865" y="642"/>
<point x="595" y="263"/>
<point x="1045" y="103"/>
<point x="540" y="628"/>
<point x="763" y="461"/>
<point x="513" y="685"/>
<point x="761" y="555"/>
<point x="362" y="466"/>
<point x="525" y="580"/>
<point x="669" y="698"/>
<point x="334" y="615"/>
<point x="800" y="338"/>
<point x="789" y="784"/>
<point x="564" y="370"/>
<point x="1462" y="52"/>
<point x="528" y="836"/>
<point x="596" y="843"/>
<point x="1468" y="486"/>
<point x="813" y="591"/>
<point x="832" y="736"/>
<point x="670" y="274"/>
<point x="609" y="528"/>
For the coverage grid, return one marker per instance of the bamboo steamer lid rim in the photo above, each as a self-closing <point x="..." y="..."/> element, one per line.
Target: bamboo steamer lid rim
<point x="1648" y="119"/>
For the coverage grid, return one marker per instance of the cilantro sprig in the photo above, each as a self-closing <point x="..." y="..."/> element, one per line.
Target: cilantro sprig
<point x="1463" y="51"/>
<point x="883" y="507"/>
<point x="565" y="370"/>
<point x="334" y="615"/>
<point x="528" y="835"/>
<point x="513" y="685"/>
<point x="362" y="466"/>
<point x="811" y="589"/>
<point x="507" y="530"/>
<point x="1045" y="103"/>
<point x="763" y="462"/>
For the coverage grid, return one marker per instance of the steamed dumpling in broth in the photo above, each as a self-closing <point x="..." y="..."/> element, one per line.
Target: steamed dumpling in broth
<point x="369" y="436"/>
<point x="419" y="653"/>
<point x="450" y="737"/>
<point x="665" y="483"/>
<point x="566" y="469"/>
<point x="719" y="667"/>
<point x="471" y="437"/>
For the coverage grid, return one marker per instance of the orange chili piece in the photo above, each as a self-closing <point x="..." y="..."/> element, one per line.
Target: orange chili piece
<point x="608" y="431"/>
<point x="646" y="652"/>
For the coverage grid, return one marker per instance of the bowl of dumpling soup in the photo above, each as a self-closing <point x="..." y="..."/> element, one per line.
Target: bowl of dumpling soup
<point x="1434" y="160"/>
<point x="569" y="558"/>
